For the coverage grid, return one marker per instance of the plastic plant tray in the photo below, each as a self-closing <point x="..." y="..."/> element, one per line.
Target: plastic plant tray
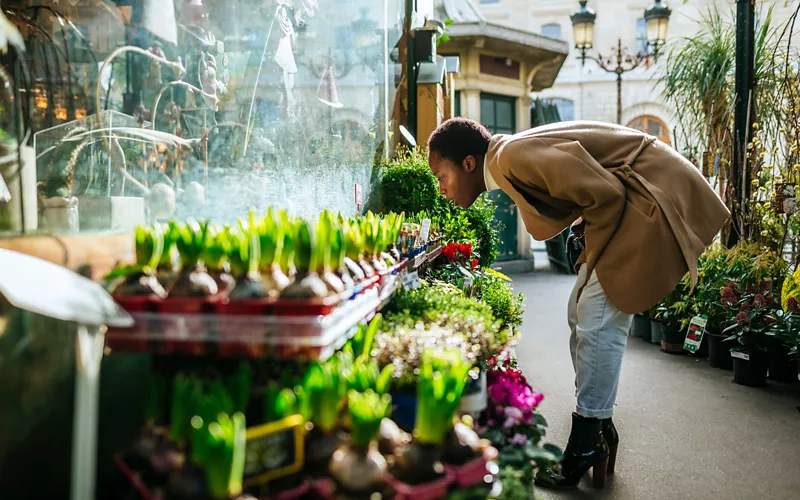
<point x="227" y="331"/>
<point x="134" y="479"/>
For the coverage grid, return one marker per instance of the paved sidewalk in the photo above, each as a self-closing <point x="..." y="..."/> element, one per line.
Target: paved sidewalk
<point x="687" y="431"/>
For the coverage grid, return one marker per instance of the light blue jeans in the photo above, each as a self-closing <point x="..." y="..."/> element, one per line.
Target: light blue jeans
<point x="599" y="332"/>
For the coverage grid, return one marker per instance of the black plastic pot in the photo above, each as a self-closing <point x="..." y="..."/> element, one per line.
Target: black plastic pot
<point x="702" y="351"/>
<point x="641" y="327"/>
<point x="672" y="339"/>
<point x="782" y="367"/>
<point x="719" y="352"/>
<point x="656" y="331"/>
<point x="750" y="369"/>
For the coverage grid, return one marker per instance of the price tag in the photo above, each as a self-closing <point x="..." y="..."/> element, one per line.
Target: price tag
<point x="274" y="450"/>
<point x="425" y="230"/>
<point x="740" y="355"/>
<point x="694" y="337"/>
<point x="411" y="281"/>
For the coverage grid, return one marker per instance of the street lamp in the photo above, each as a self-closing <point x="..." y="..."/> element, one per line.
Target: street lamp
<point x="620" y="61"/>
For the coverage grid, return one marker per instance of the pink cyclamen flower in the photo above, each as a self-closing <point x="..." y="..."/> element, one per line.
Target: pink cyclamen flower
<point x="519" y="439"/>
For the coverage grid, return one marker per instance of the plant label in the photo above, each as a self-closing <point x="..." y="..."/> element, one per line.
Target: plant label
<point x="5" y="194"/>
<point x="740" y="355"/>
<point x="694" y="337"/>
<point x="274" y="450"/>
<point x="411" y="281"/>
<point x="425" y="230"/>
<point x="357" y="196"/>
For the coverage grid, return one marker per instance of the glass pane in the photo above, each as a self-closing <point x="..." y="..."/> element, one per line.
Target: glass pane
<point x="505" y="114"/>
<point x="277" y="106"/>
<point x="551" y="30"/>
<point x="637" y="124"/>
<point x="655" y="128"/>
<point x="487" y="112"/>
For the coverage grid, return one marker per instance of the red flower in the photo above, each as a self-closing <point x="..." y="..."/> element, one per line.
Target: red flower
<point x="465" y="249"/>
<point x="792" y="305"/>
<point x="728" y="294"/>
<point x="742" y="318"/>
<point x="450" y="251"/>
<point x="745" y="306"/>
<point x="474" y="264"/>
<point x="759" y="301"/>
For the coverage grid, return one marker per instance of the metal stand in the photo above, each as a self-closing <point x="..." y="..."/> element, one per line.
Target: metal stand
<point x="88" y="357"/>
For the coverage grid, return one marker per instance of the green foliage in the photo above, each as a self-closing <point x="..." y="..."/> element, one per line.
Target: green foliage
<point x="409" y="186"/>
<point x="219" y="449"/>
<point x="325" y="390"/>
<point x="442" y="379"/>
<point x="497" y="293"/>
<point x="367" y="409"/>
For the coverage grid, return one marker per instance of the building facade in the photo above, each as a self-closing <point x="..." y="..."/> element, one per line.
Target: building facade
<point x="586" y="92"/>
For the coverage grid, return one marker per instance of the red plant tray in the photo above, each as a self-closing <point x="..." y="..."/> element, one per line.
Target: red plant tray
<point x="134" y="479"/>
<point x="470" y="474"/>
<point x="427" y="491"/>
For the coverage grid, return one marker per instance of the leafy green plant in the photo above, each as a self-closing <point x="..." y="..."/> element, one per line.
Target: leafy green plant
<point x="366" y="409"/>
<point x="280" y="402"/>
<point x="442" y="379"/>
<point x="497" y="293"/>
<point x="363" y="374"/>
<point x="364" y="338"/>
<point x="751" y="321"/>
<point x="219" y="448"/>
<point x="325" y="390"/>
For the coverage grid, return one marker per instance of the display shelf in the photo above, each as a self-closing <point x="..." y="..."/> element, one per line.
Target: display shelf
<point x="215" y="327"/>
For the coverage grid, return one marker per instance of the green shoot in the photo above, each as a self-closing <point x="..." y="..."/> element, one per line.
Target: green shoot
<point x="367" y="410"/>
<point x="220" y="450"/>
<point x="325" y="390"/>
<point x="442" y="379"/>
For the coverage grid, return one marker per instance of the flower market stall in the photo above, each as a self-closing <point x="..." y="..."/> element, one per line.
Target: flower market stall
<point x="276" y="376"/>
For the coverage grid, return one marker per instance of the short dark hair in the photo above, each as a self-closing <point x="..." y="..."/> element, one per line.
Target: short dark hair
<point x="458" y="138"/>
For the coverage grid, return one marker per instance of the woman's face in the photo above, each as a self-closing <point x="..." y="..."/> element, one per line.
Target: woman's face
<point x="461" y="184"/>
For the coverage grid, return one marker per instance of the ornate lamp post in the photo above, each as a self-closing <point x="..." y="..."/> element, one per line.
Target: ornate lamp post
<point x="620" y="61"/>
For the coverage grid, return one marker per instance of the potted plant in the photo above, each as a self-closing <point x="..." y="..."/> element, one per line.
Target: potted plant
<point x="719" y="354"/>
<point x="215" y="258"/>
<point x="418" y="470"/>
<point x="750" y="327"/>
<point x="673" y="319"/>
<point x="324" y="392"/>
<point x="512" y="425"/>
<point x="641" y="326"/>
<point x="786" y="331"/>
<point x="140" y="279"/>
<point x="357" y="467"/>
<point x="308" y="253"/>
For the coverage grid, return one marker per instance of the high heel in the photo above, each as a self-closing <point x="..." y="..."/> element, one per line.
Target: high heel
<point x="611" y="436"/>
<point x="599" y="473"/>
<point x="586" y="449"/>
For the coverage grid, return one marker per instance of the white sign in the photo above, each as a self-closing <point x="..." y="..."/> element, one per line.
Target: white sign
<point x="411" y="281"/>
<point x="694" y="337"/>
<point x="424" y="230"/>
<point x="740" y="355"/>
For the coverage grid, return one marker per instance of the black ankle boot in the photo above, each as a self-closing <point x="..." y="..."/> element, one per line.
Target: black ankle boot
<point x="586" y="449"/>
<point x="612" y="438"/>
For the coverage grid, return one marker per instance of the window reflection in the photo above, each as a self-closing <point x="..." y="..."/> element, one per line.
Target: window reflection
<point x="283" y="102"/>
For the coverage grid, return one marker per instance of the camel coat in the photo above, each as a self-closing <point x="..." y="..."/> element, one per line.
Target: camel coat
<point x="648" y="212"/>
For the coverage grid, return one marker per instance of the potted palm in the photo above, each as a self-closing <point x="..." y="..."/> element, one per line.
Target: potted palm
<point x="750" y="328"/>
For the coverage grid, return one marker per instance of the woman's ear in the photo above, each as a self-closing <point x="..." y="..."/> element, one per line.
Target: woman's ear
<point x="469" y="163"/>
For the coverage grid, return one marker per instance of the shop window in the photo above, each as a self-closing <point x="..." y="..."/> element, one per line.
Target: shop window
<point x="652" y="126"/>
<point x="457" y="103"/>
<point x="552" y="30"/>
<point x="498" y="113"/>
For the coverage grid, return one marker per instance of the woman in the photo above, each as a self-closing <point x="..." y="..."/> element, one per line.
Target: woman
<point x="642" y="215"/>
